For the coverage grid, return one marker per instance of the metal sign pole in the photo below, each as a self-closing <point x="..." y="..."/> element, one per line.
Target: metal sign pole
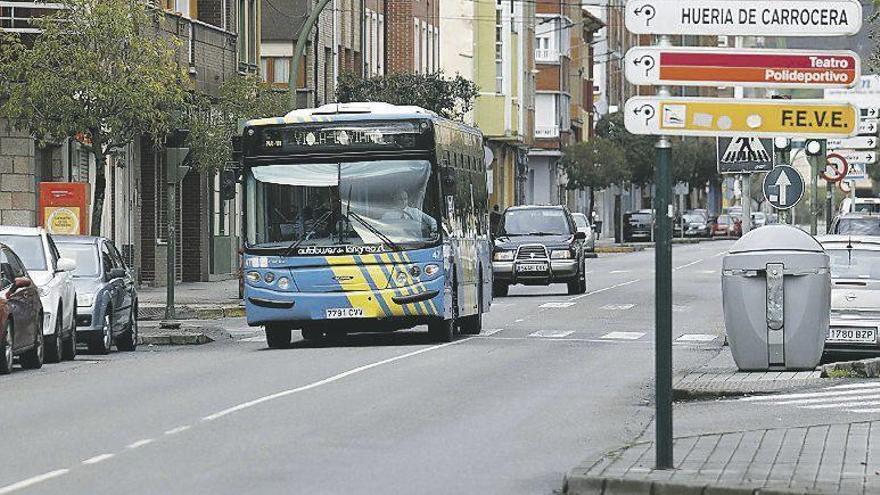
<point x="663" y="296"/>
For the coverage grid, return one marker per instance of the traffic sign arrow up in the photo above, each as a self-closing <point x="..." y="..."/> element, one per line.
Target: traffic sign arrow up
<point x="782" y="183"/>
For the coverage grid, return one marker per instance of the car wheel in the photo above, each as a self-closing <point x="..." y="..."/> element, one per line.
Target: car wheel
<point x="103" y="342"/>
<point x="56" y="342"/>
<point x="33" y="359"/>
<point x="500" y="289"/>
<point x="277" y="337"/>
<point x="312" y="334"/>
<point x="128" y="341"/>
<point x="6" y="351"/>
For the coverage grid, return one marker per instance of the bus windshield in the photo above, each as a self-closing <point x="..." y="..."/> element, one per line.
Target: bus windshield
<point x="384" y="202"/>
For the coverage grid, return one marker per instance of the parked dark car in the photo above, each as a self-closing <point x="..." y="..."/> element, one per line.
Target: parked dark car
<point x="856" y="224"/>
<point x="694" y="225"/>
<point x="727" y="226"/>
<point x="21" y="315"/>
<point x="637" y="226"/>
<point x="107" y="300"/>
<point x="538" y="245"/>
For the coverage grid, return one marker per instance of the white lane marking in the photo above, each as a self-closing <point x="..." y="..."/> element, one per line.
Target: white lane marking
<point x="820" y="400"/>
<point x="864" y="411"/>
<point x="623" y="336"/>
<point x="140" y="443"/>
<point x="696" y="337"/>
<point x="179" y="429"/>
<point x="689" y="264"/>
<point x="334" y="378"/>
<point x="489" y="333"/>
<point x="707" y="272"/>
<point x="33" y="481"/>
<point x="614" y="272"/>
<point x="617" y="307"/>
<point x="551" y="334"/>
<point x="520" y="320"/>
<point x="722" y="253"/>
<point x="254" y="339"/>
<point x="680" y="309"/>
<point x="557" y="305"/>
<point x="843" y="404"/>
<point x="854" y="385"/>
<point x="98" y="458"/>
<point x="597" y="291"/>
<point x="592" y="341"/>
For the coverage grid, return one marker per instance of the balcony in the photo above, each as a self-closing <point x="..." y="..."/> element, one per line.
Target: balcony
<point x="546" y="131"/>
<point x="547" y="55"/>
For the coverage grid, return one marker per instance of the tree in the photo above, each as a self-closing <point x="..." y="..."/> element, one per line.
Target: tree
<point x="594" y="164"/>
<point x="639" y="150"/>
<point x="101" y="72"/>
<point x="452" y="98"/>
<point x="213" y="122"/>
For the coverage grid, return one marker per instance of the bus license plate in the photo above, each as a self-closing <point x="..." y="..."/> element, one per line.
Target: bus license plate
<point x="865" y="335"/>
<point x="342" y="313"/>
<point x="532" y="267"/>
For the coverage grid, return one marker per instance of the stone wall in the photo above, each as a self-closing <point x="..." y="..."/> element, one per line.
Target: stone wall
<point x="18" y="205"/>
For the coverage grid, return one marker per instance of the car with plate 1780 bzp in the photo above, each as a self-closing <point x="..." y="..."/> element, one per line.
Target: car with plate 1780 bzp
<point x="538" y="245"/>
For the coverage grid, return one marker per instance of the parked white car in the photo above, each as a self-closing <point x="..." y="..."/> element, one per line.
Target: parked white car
<point x="54" y="278"/>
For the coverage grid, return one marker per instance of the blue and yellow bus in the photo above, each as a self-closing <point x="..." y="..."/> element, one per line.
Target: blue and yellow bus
<point x="364" y="217"/>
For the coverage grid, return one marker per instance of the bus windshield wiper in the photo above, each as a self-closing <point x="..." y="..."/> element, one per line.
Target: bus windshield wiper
<point x="295" y="244"/>
<point x="374" y="230"/>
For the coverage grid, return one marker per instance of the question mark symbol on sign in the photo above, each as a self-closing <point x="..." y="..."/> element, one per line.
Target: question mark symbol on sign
<point x="647" y="111"/>
<point x="647" y="11"/>
<point x="646" y="61"/>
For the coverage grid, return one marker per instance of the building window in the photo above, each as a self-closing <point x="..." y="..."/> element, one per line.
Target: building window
<point x="380" y="63"/>
<point x="499" y="49"/>
<point x="281" y="70"/>
<point x="242" y="27"/>
<point x="252" y="32"/>
<point x="417" y="49"/>
<point x="264" y="69"/>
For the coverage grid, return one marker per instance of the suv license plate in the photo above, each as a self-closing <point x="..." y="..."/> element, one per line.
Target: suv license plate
<point x="342" y="313"/>
<point x="532" y="267"/>
<point x="864" y="335"/>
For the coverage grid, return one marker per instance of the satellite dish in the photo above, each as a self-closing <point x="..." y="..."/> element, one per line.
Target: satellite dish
<point x="489" y="156"/>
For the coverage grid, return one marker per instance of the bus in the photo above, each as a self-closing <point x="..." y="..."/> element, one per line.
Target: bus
<point x="364" y="217"/>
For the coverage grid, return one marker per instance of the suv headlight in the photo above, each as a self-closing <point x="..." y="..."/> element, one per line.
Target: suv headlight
<point x="560" y="254"/>
<point x="503" y="256"/>
<point x="85" y="300"/>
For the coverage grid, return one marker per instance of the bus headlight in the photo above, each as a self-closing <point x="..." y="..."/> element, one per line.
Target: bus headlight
<point x="560" y="254"/>
<point x="253" y="277"/>
<point x="269" y="277"/>
<point x="431" y="270"/>
<point x="283" y="283"/>
<point x="401" y="278"/>
<point x="503" y="256"/>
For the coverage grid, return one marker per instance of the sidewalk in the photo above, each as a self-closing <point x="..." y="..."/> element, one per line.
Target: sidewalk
<point x="829" y="459"/>
<point x="193" y="300"/>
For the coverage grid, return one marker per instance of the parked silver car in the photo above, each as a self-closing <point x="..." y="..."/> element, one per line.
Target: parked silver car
<point x="106" y="294"/>
<point x="583" y="225"/>
<point x="855" y="294"/>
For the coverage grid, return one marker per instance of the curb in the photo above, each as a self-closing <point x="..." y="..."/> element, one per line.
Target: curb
<point x="864" y="368"/>
<point x="175" y="339"/>
<point x="590" y="485"/>
<point x="155" y="312"/>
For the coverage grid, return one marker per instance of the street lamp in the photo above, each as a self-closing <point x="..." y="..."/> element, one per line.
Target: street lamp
<point x="177" y="164"/>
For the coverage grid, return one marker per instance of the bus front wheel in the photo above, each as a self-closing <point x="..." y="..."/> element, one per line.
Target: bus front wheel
<point x="277" y="337"/>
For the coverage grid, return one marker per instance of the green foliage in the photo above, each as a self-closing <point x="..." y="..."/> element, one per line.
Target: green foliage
<point x="594" y="164"/>
<point x="694" y="161"/>
<point x="449" y="97"/>
<point x="101" y="70"/>
<point x="639" y="150"/>
<point x="212" y="123"/>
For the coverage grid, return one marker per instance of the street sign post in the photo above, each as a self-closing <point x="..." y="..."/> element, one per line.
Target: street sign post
<point x="744" y="155"/>
<point x="853" y="143"/>
<point x="724" y="117"/>
<point x="744" y="17"/>
<point x="783" y="187"/>
<point x="686" y="66"/>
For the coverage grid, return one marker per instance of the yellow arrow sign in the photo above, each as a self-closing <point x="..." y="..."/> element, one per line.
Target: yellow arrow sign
<point x="732" y="118"/>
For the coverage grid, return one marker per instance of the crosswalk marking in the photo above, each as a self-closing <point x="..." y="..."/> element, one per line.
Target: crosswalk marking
<point x="618" y="271"/>
<point x="557" y="305"/>
<point x="696" y="337"/>
<point x="623" y="336"/>
<point x="860" y="398"/>
<point x="551" y="334"/>
<point x="617" y="307"/>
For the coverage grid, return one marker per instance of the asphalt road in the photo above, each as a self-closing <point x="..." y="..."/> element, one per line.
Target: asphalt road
<point x="552" y="379"/>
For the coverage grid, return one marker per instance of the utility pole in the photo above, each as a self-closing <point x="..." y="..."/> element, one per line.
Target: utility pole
<point x="300" y="48"/>
<point x="745" y="179"/>
<point x="815" y="154"/>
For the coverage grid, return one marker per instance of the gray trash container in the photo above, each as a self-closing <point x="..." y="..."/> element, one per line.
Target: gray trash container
<point x="776" y="290"/>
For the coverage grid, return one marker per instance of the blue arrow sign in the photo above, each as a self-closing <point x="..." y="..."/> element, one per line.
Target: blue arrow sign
<point x="783" y="187"/>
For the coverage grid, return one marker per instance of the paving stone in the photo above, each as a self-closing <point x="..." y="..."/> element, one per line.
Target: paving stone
<point x="621" y="486"/>
<point x="578" y="485"/>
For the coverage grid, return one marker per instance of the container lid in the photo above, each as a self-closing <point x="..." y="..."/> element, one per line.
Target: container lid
<point x="777" y="238"/>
